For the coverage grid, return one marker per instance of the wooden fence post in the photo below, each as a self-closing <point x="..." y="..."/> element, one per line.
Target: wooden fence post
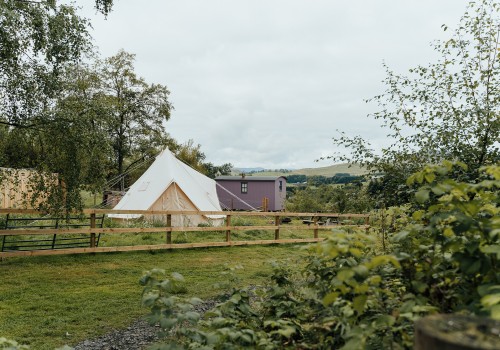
<point x="54" y="237"/>
<point x="5" y="237"/>
<point x="92" y="234"/>
<point x="169" y="233"/>
<point x="277" y="231"/>
<point x="228" y="231"/>
<point x="315" y="223"/>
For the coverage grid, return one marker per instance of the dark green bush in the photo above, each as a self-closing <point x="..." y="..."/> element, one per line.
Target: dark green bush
<point x="347" y="295"/>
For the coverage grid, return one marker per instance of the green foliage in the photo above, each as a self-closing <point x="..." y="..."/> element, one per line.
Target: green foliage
<point x="135" y="110"/>
<point x="304" y="201"/>
<point x="104" y="121"/>
<point x="446" y="110"/>
<point x="385" y="222"/>
<point x="345" y="294"/>
<point x="296" y="178"/>
<point x="87" y="123"/>
<point x="336" y="300"/>
<point x="7" y="344"/>
<point x="451" y="251"/>
<point x="349" y="198"/>
<point x="212" y="171"/>
<point x="36" y="41"/>
<point x="317" y="180"/>
<point x="104" y="6"/>
<point x="39" y="42"/>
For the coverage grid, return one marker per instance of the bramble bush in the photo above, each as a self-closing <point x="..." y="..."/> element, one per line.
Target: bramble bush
<point x="346" y="294"/>
<point x="450" y="253"/>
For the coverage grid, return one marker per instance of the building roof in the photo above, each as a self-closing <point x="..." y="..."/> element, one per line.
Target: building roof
<point x="248" y="178"/>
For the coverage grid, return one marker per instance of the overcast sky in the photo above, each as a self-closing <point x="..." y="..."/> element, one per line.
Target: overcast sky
<point x="266" y="83"/>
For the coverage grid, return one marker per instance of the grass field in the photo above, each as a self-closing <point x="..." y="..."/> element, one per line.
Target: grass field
<point x="50" y="301"/>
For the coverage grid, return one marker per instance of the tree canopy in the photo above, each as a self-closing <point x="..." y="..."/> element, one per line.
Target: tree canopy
<point x="37" y="41"/>
<point x="65" y="111"/>
<point x="136" y="111"/>
<point x="445" y="110"/>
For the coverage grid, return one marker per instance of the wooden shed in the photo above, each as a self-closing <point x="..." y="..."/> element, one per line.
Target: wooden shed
<point x="17" y="187"/>
<point x="267" y="193"/>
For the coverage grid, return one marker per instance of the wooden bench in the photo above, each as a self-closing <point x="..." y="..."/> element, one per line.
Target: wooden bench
<point x="51" y="240"/>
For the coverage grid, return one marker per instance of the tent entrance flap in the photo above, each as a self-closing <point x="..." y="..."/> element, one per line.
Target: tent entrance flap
<point x="174" y="198"/>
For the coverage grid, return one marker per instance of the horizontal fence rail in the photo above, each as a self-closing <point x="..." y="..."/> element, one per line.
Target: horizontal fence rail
<point x="93" y="227"/>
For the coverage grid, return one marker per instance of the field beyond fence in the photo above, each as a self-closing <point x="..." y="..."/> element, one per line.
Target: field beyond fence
<point x="26" y="232"/>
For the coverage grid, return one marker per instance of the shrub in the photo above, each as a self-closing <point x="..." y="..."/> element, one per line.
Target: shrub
<point x="347" y="295"/>
<point x="450" y="254"/>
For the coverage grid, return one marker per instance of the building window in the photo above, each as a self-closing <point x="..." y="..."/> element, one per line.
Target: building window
<point x="244" y="187"/>
<point x="281" y="185"/>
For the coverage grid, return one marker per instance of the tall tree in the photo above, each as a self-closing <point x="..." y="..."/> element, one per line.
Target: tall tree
<point x="137" y="111"/>
<point x="38" y="42"/>
<point x="446" y="110"/>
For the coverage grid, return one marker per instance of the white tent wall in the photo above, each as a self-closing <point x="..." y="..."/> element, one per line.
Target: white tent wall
<point x="169" y="184"/>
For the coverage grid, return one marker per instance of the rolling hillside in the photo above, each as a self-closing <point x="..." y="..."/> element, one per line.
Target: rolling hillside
<point x="325" y="171"/>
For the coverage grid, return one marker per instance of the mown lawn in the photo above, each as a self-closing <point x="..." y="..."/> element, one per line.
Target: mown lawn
<point x="50" y="301"/>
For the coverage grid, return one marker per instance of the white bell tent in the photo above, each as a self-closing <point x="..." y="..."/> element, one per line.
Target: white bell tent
<point x="169" y="184"/>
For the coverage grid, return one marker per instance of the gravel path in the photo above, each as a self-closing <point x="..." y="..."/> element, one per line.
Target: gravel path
<point x="138" y="336"/>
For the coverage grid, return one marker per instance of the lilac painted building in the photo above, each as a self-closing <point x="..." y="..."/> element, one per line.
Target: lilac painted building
<point x="250" y="192"/>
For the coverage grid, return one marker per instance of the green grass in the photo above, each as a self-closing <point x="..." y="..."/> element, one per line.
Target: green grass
<point x="50" y="301"/>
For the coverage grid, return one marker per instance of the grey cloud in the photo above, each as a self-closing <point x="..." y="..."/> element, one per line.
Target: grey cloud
<point x="267" y="83"/>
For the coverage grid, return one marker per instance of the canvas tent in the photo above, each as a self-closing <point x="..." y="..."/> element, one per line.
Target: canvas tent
<point x="169" y="184"/>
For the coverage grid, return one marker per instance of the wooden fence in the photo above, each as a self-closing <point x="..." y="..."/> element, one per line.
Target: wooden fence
<point x="311" y="223"/>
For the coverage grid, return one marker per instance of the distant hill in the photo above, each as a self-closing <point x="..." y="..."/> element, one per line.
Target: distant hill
<point x="327" y="171"/>
<point x="247" y="170"/>
<point x="332" y="170"/>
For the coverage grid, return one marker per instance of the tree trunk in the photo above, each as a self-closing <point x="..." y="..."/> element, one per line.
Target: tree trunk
<point x="456" y="332"/>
